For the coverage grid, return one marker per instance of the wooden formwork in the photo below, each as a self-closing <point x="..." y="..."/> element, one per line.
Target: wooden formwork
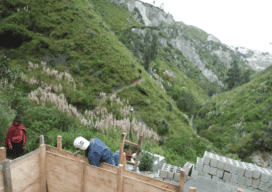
<point x="53" y="169"/>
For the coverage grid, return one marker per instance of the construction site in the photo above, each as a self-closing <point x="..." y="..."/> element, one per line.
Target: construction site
<point x="51" y="169"/>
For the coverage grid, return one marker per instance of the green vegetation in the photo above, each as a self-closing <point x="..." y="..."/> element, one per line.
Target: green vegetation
<point x="94" y="43"/>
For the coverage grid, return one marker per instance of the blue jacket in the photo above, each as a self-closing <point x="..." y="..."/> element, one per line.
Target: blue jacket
<point x="99" y="152"/>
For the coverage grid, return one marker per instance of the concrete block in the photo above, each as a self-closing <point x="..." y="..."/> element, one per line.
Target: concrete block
<point x="219" y="173"/>
<point x="164" y="172"/>
<point x="201" y="174"/>
<point x="241" y="169"/>
<point x="256" y="173"/>
<point x="213" y="170"/>
<point x="248" y="182"/>
<point x="234" y="178"/>
<point x="215" y="178"/>
<point x="263" y="186"/>
<point x="221" y="162"/>
<point x="188" y="167"/>
<point x="255" y="183"/>
<point x="206" y="158"/>
<point x="214" y="161"/>
<point x="221" y="180"/>
<point x="177" y="174"/>
<point x="206" y="169"/>
<point x="249" y="172"/>
<point x="227" y="176"/>
<point x="208" y="175"/>
<point x="199" y="164"/>
<point x="270" y="177"/>
<point x="241" y="180"/>
<point x="194" y="173"/>
<point x="269" y="186"/>
<point x="265" y="175"/>
<point x="170" y="175"/>
<point x="234" y="168"/>
<point x="228" y="165"/>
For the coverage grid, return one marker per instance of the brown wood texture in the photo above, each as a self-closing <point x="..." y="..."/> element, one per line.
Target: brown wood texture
<point x="131" y="144"/>
<point x="140" y="177"/>
<point x="135" y="185"/>
<point x="2" y="154"/>
<point x="66" y="154"/>
<point x="61" y="172"/>
<point x="7" y="176"/>
<point x="1" y="179"/>
<point x="42" y="164"/>
<point x="138" y="152"/>
<point x="98" y="179"/>
<point x="81" y="176"/>
<point x="181" y="181"/>
<point x="120" y="178"/>
<point x="122" y="148"/>
<point x="25" y="174"/>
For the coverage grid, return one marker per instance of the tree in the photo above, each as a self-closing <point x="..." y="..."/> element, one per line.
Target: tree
<point x="154" y="46"/>
<point x="245" y="78"/>
<point x="233" y="76"/>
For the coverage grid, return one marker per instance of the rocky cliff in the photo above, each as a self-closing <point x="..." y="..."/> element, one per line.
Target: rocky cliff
<point x="201" y="48"/>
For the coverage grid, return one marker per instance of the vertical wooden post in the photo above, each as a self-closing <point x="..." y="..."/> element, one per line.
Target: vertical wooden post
<point x="81" y="176"/>
<point x="41" y="139"/>
<point x="122" y="148"/>
<point x="120" y="178"/>
<point x="124" y="161"/>
<point x="42" y="152"/>
<point x="7" y="175"/>
<point x="138" y="152"/>
<point x="240" y="190"/>
<point x="181" y="180"/>
<point x="192" y="189"/>
<point x="2" y="154"/>
<point x="59" y="142"/>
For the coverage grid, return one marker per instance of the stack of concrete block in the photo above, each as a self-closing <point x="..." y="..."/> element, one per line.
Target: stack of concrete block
<point x="171" y="172"/>
<point x="241" y="174"/>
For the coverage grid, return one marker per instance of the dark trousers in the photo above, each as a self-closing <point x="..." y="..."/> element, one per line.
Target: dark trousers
<point x="17" y="150"/>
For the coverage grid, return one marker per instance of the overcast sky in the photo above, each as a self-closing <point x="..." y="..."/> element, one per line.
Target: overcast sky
<point x="246" y="23"/>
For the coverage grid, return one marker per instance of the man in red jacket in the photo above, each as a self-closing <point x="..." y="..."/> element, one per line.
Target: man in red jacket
<point x="16" y="138"/>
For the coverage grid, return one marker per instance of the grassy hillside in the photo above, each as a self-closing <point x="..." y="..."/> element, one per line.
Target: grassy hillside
<point x="88" y="50"/>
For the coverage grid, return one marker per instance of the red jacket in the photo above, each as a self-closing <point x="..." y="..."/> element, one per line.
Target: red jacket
<point x="16" y="134"/>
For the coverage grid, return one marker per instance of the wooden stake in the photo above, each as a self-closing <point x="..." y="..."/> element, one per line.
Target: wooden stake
<point x="42" y="153"/>
<point x="59" y="142"/>
<point x="181" y="181"/>
<point x="120" y="177"/>
<point x="124" y="161"/>
<point x="122" y="148"/>
<point x="2" y="154"/>
<point x="41" y="139"/>
<point x="240" y="190"/>
<point x="81" y="176"/>
<point x="7" y="176"/>
<point x="138" y="152"/>
<point x="192" y="189"/>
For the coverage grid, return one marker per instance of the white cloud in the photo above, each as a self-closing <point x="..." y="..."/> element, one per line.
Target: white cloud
<point x="244" y="23"/>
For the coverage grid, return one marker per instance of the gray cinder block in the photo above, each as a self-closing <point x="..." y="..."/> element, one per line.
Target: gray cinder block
<point x="194" y="173"/>
<point x="256" y="173"/>
<point x="227" y="165"/>
<point x="234" y="168"/>
<point x="201" y="174"/>
<point x="263" y="186"/>
<point x="241" y="180"/>
<point x="207" y="158"/>
<point x="249" y="172"/>
<point x="199" y="164"/>
<point x="214" y="161"/>
<point x="227" y="176"/>
<point x="219" y="173"/>
<point x="255" y="183"/>
<point x="213" y="170"/>
<point x="206" y="169"/>
<point x="215" y="178"/>
<point x="265" y="175"/>
<point x="241" y="169"/>
<point x="208" y="176"/>
<point x="234" y="178"/>
<point x="248" y="182"/>
<point x="221" y="163"/>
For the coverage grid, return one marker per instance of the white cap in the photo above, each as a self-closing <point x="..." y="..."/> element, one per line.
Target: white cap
<point x="81" y="143"/>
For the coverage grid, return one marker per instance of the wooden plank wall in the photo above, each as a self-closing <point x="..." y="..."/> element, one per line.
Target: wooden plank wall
<point x="25" y="174"/>
<point x="143" y="178"/>
<point x="1" y="179"/>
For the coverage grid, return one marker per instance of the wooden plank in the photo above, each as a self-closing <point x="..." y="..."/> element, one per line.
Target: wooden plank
<point x="108" y="167"/>
<point x="2" y="154"/>
<point x="152" y="181"/>
<point x="135" y="185"/>
<point x="1" y="178"/>
<point x="42" y="164"/>
<point x="61" y="172"/>
<point x="181" y="180"/>
<point x="66" y="154"/>
<point x="122" y="148"/>
<point x="41" y="139"/>
<point x="138" y="152"/>
<point x="120" y="178"/>
<point x="81" y="176"/>
<point x="131" y="144"/>
<point x="25" y="174"/>
<point x="36" y="151"/>
<point x="59" y="142"/>
<point x="98" y="179"/>
<point x="131" y="163"/>
<point x="7" y="175"/>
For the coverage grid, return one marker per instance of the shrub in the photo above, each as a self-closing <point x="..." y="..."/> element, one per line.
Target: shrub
<point x="171" y="106"/>
<point x="146" y="163"/>
<point x="163" y="127"/>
